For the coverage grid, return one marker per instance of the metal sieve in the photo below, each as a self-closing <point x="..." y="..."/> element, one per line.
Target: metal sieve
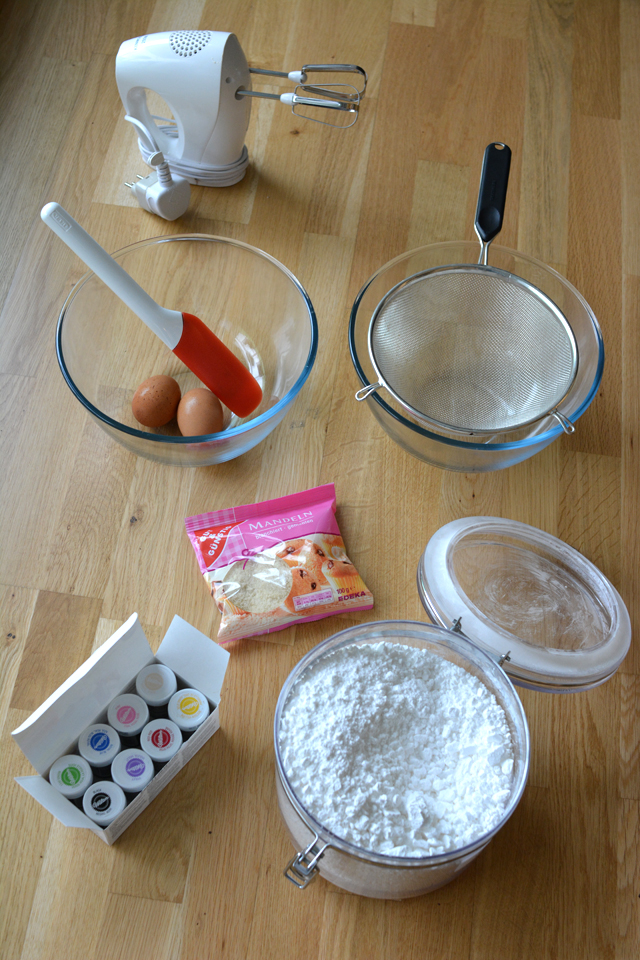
<point x="471" y="348"/>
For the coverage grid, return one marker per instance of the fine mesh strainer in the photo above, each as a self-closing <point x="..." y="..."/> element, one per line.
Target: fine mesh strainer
<point x="470" y="348"/>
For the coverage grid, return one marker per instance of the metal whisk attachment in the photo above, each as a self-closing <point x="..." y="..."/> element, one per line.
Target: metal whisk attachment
<point x="342" y="98"/>
<point x="470" y="348"/>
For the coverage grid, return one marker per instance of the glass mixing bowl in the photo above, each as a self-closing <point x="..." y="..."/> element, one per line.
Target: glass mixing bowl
<point x="455" y="452"/>
<point x="380" y="875"/>
<point x="250" y="300"/>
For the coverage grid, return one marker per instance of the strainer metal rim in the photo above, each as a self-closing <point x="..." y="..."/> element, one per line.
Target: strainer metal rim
<point x="579" y="399"/>
<point x="503" y="276"/>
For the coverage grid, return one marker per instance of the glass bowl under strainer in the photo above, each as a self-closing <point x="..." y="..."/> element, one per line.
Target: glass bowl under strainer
<point x="471" y="454"/>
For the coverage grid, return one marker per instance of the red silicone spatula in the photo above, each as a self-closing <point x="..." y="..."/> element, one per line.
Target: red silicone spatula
<point x="188" y="337"/>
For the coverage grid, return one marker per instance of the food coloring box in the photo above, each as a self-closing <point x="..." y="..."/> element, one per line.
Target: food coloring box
<point x="54" y="728"/>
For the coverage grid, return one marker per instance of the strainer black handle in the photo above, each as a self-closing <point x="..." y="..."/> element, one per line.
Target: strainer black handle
<point x="493" y="191"/>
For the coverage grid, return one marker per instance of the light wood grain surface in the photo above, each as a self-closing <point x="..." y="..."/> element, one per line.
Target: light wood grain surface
<point x="90" y="533"/>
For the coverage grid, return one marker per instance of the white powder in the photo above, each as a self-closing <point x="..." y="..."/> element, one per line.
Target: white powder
<point x="397" y="750"/>
<point x="258" y="585"/>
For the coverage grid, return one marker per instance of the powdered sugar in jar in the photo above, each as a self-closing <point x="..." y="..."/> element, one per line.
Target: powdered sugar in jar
<point x="401" y="749"/>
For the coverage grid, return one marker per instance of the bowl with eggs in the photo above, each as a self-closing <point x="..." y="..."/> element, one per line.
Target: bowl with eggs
<point x="138" y="390"/>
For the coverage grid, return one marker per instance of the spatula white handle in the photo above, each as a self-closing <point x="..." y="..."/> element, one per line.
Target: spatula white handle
<point x="167" y="324"/>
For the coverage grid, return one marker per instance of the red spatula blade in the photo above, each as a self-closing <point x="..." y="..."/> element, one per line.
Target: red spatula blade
<point x="217" y="367"/>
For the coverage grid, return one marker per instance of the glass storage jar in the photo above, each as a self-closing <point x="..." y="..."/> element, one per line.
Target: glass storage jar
<point x="362" y="871"/>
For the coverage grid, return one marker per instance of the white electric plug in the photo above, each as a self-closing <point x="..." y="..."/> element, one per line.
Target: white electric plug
<point x="161" y="192"/>
<point x="168" y="199"/>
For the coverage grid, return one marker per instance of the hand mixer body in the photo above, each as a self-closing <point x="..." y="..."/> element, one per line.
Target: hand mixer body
<point x="197" y="73"/>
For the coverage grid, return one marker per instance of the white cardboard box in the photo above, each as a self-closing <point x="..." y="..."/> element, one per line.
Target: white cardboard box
<point x="54" y="728"/>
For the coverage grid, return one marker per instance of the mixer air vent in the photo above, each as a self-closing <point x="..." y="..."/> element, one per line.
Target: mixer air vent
<point x="187" y="42"/>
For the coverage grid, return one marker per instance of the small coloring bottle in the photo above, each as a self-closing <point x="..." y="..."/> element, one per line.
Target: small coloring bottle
<point x="99" y="744"/>
<point x="132" y="770"/>
<point x="103" y="801"/>
<point x="71" y="776"/>
<point x="128" y="714"/>
<point x="188" y="708"/>
<point x="161" y="739"/>
<point x="156" y="684"/>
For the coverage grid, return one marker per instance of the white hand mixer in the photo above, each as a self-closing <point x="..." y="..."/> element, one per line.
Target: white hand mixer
<point x="204" y="78"/>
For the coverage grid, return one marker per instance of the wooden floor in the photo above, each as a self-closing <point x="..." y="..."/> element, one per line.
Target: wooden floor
<point x="90" y="533"/>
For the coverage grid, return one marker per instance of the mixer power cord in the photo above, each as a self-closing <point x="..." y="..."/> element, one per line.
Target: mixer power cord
<point x="166" y="190"/>
<point x="200" y="174"/>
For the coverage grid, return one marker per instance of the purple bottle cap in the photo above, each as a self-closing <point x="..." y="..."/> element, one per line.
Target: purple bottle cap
<point x="132" y="770"/>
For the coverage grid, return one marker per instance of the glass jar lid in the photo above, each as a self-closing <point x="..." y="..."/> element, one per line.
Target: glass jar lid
<point x="530" y="600"/>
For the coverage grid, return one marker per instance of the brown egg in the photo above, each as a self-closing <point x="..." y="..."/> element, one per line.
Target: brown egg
<point x="155" y="401"/>
<point x="200" y="412"/>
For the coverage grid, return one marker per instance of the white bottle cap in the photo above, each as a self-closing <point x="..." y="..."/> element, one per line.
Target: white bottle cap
<point x="71" y="775"/>
<point x="188" y="708"/>
<point x="132" y="770"/>
<point x="161" y="739"/>
<point x="128" y="714"/>
<point x="99" y="744"/>
<point x="156" y="684"/>
<point x="103" y="801"/>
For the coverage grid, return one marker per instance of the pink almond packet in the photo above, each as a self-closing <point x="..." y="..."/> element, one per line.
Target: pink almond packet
<point x="273" y="564"/>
